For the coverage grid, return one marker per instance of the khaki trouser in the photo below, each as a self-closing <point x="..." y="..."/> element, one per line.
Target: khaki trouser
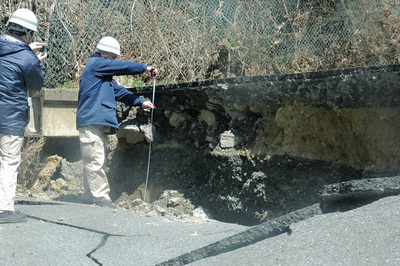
<point x="10" y="158"/>
<point x="95" y="183"/>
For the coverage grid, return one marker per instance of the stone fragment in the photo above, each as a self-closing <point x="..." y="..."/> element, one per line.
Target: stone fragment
<point x="177" y="119"/>
<point x="147" y="131"/>
<point x="227" y="140"/>
<point x="207" y="117"/>
<point x="131" y="133"/>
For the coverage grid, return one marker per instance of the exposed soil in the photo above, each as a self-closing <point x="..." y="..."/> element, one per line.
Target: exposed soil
<point x="194" y="186"/>
<point x="192" y="182"/>
<point x="237" y="152"/>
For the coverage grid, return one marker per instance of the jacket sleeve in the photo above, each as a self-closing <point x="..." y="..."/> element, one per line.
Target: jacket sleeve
<point x="125" y="96"/>
<point x="34" y="74"/>
<point x="106" y="67"/>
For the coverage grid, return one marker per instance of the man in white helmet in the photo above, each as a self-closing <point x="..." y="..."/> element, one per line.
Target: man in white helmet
<point x="20" y="70"/>
<point x="96" y="115"/>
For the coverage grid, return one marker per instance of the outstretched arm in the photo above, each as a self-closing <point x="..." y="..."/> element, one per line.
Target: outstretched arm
<point x="148" y="104"/>
<point x="151" y="71"/>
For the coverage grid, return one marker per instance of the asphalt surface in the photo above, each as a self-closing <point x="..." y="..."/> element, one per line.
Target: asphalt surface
<point x="75" y="234"/>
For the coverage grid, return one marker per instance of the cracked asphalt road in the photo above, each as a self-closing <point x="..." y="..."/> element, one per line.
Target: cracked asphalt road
<point x="75" y="234"/>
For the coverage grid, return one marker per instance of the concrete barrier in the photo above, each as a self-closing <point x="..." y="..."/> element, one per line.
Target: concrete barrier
<point x="53" y="113"/>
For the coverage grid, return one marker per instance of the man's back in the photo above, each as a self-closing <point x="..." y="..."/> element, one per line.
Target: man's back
<point x="20" y="70"/>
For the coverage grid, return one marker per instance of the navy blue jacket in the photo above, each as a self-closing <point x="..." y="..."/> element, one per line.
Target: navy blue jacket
<point x="20" y="70"/>
<point x="98" y="91"/>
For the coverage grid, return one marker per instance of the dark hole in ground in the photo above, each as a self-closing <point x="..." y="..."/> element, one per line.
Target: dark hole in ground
<point x="67" y="148"/>
<point x="230" y="187"/>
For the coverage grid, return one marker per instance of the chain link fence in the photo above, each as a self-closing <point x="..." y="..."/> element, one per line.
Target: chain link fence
<point x="192" y="40"/>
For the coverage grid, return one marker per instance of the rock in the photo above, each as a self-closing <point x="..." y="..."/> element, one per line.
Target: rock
<point x="151" y="213"/>
<point x="175" y="201"/>
<point x="131" y="133"/>
<point x="201" y="213"/>
<point x="147" y="131"/>
<point x="45" y="175"/>
<point x="177" y="119"/>
<point x="60" y="186"/>
<point x="161" y="211"/>
<point x="208" y="117"/>
<point x="227" y="140"/>
<point x="137" y="202"/>
<point x="124" y="205"/>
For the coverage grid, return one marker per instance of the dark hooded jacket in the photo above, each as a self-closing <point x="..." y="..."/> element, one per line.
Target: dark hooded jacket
<point x="98" y="91"/>
<point x="20" y="70"/>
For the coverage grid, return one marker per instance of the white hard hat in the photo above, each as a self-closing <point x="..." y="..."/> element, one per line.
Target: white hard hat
<point x="109" y="44"/>
<point x="25" y="18"/>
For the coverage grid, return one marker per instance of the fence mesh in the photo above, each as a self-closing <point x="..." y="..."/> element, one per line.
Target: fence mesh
<point x="192" y="40"/>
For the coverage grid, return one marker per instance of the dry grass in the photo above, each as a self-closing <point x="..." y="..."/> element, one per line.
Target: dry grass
<point x="31" y="162"/>
<point x="192" y="40"/>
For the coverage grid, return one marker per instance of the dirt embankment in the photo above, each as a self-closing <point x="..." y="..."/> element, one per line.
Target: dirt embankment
<point x="250" y="149"/>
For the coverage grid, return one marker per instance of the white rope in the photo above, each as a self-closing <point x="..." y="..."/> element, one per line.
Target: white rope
<point x="151" y="140"/>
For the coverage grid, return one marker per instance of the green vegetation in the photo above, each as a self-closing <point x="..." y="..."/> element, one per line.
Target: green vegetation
<point x="68" y="85"/>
